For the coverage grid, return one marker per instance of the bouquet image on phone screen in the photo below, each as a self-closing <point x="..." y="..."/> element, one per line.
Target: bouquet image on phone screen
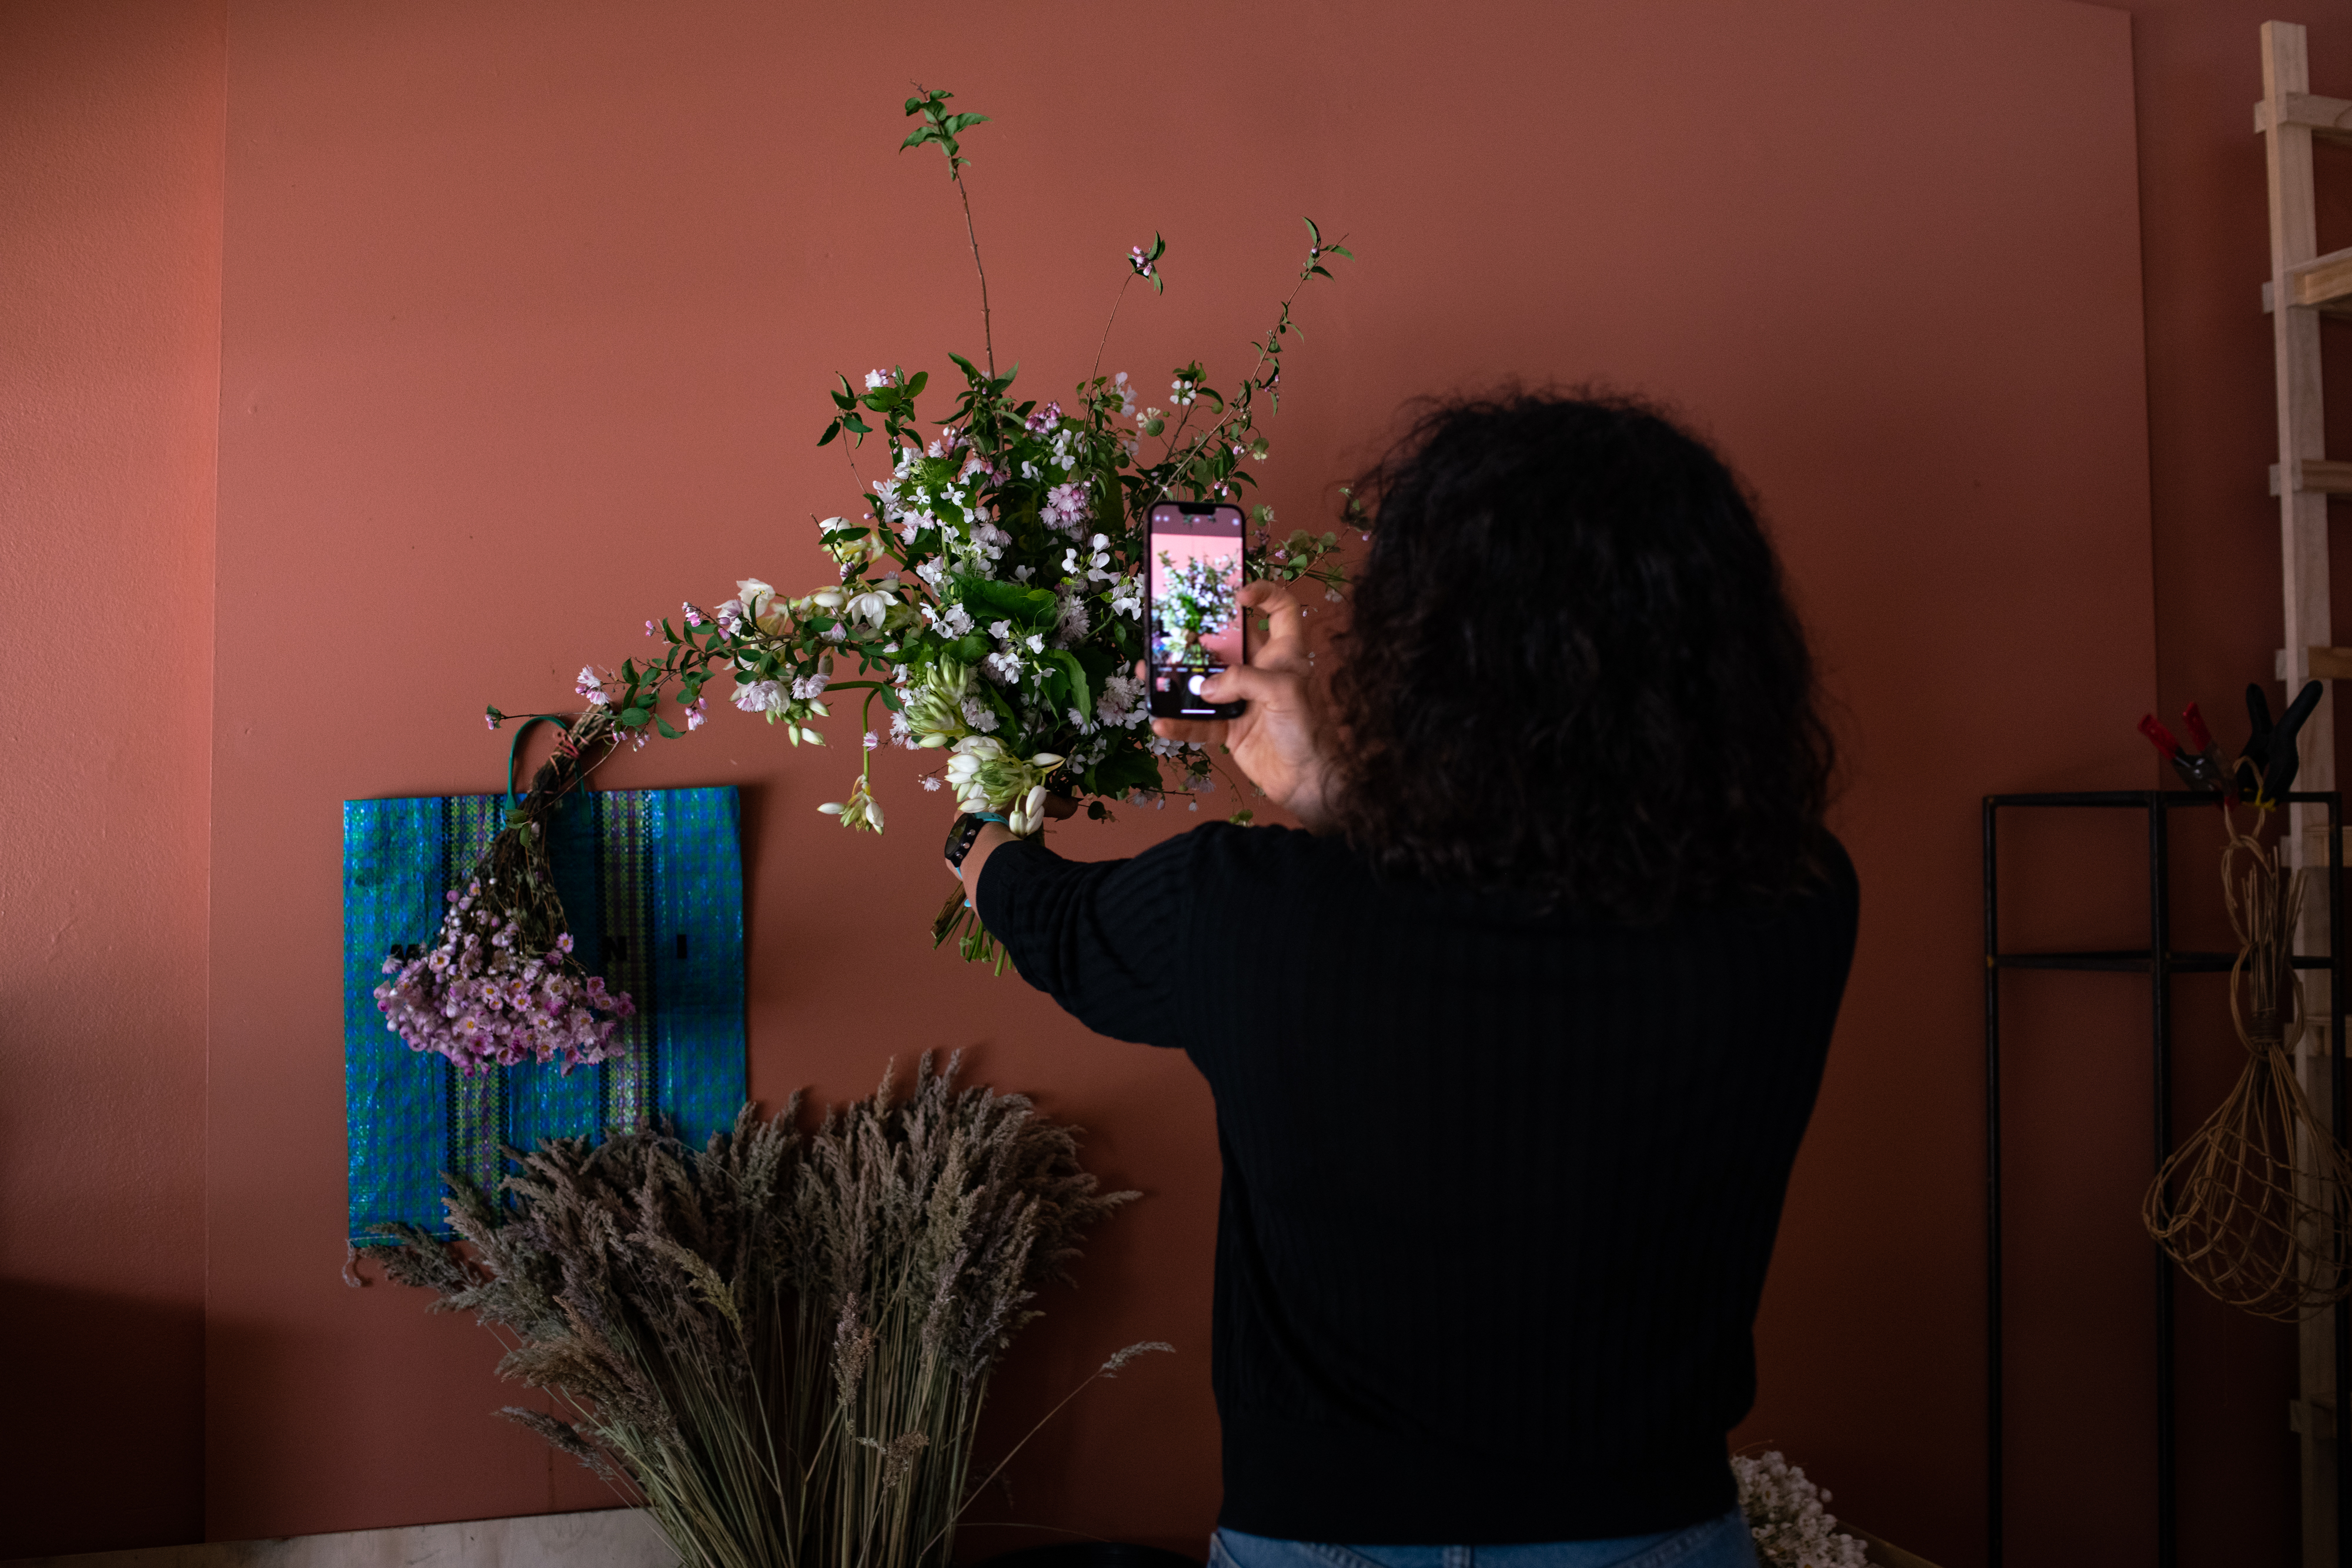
<point x="1197" y="629"/>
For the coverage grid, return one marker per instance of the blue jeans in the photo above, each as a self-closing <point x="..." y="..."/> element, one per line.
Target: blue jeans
<point x="1718" y="1543"/>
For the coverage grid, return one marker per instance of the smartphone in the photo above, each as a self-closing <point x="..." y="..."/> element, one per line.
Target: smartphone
<point x="1191" y="614"/>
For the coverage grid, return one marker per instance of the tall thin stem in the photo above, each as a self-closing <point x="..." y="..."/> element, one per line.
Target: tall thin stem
<point x="1201" y="443"/>
<point x="1096" y="374"/>
<point x="987" y="344"/>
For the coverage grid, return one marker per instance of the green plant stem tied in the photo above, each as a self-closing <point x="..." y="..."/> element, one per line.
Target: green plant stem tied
<point x="780" y="1344"/>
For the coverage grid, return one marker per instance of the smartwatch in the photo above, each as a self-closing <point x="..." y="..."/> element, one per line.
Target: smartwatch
<point x="965" y="829"/>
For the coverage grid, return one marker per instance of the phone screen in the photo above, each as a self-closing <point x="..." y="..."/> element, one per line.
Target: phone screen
<point x="1197" y="628"/>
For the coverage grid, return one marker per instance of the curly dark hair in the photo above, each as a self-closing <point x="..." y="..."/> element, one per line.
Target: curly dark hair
<point x="1573" y="671"/>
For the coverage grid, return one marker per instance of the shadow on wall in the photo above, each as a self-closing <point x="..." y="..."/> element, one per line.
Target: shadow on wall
<point x="101" y="1435"/>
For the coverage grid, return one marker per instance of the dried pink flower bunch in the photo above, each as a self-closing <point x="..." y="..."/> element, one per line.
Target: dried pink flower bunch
<point x="484" y="998"/>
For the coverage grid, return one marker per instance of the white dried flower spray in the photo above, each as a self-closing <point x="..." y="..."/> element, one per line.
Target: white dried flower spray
<point x="1785" y="1515"/>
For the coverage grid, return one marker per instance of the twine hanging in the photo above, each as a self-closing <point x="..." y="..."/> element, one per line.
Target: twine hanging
<point x="2265" y="1190"/>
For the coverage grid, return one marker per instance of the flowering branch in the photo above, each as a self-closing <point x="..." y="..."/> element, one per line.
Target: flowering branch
<point x="940" y="127"/>
<point x="990" y="597"/>
<point x="1141" y="263"/>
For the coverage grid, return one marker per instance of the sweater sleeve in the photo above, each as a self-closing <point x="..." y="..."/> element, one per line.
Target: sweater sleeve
<point x="1105" y="939"/>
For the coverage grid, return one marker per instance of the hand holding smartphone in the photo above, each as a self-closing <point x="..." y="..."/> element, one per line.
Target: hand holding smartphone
<point x="1279" y="740"/>
<point x="1192" y="609"/>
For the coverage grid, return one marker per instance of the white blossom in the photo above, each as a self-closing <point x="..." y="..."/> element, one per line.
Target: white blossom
<point x="1122" y="702"/>
<point x="871" y="607"/>
<point x="760" y="697"/>
<point x="1785" y="1515"/>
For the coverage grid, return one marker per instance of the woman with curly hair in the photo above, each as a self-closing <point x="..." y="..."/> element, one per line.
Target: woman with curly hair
<point x="1514" y="1045"/>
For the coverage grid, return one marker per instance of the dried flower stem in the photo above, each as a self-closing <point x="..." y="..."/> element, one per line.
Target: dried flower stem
<point x="780" y="1344"/>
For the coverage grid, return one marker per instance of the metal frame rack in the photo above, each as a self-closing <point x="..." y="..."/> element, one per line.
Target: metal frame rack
<point x="2159" y="962"/>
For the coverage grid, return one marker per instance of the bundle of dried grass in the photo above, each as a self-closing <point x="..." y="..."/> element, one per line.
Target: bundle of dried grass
<point x="2264" y="1189"/>
<point x="778" y="1344"/>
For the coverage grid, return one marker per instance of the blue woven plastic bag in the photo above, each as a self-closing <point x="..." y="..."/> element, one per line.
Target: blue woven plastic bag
<point x="652" y="885"/>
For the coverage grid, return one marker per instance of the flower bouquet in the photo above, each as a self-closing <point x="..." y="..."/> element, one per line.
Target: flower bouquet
<point x="498" y="984"/>
<point x="989" y="593"/>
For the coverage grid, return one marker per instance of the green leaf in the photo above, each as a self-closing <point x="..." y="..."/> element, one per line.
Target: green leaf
<point x="916" y="382"/>
<point x="1032" y="609"/>
<point x="667" y="733"/>
<point x="830" y="431"/>
<point x="1080" y="697"/>
<point x="634" y="717"/>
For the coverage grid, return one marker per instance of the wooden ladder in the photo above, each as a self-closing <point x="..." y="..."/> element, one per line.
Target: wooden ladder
<point x="2303" y="286"/>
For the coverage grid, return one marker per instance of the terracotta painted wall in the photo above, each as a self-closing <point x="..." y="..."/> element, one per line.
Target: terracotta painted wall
<point x="110" y="159"/>
<point x="527" y="313"/>
<point x="558" y="283"/>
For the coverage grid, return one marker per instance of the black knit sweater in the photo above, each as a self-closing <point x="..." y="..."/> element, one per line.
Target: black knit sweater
<point x="1500" y="1189"/>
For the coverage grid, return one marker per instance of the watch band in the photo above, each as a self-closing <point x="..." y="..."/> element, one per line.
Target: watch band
<point x="966" y="829"/>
